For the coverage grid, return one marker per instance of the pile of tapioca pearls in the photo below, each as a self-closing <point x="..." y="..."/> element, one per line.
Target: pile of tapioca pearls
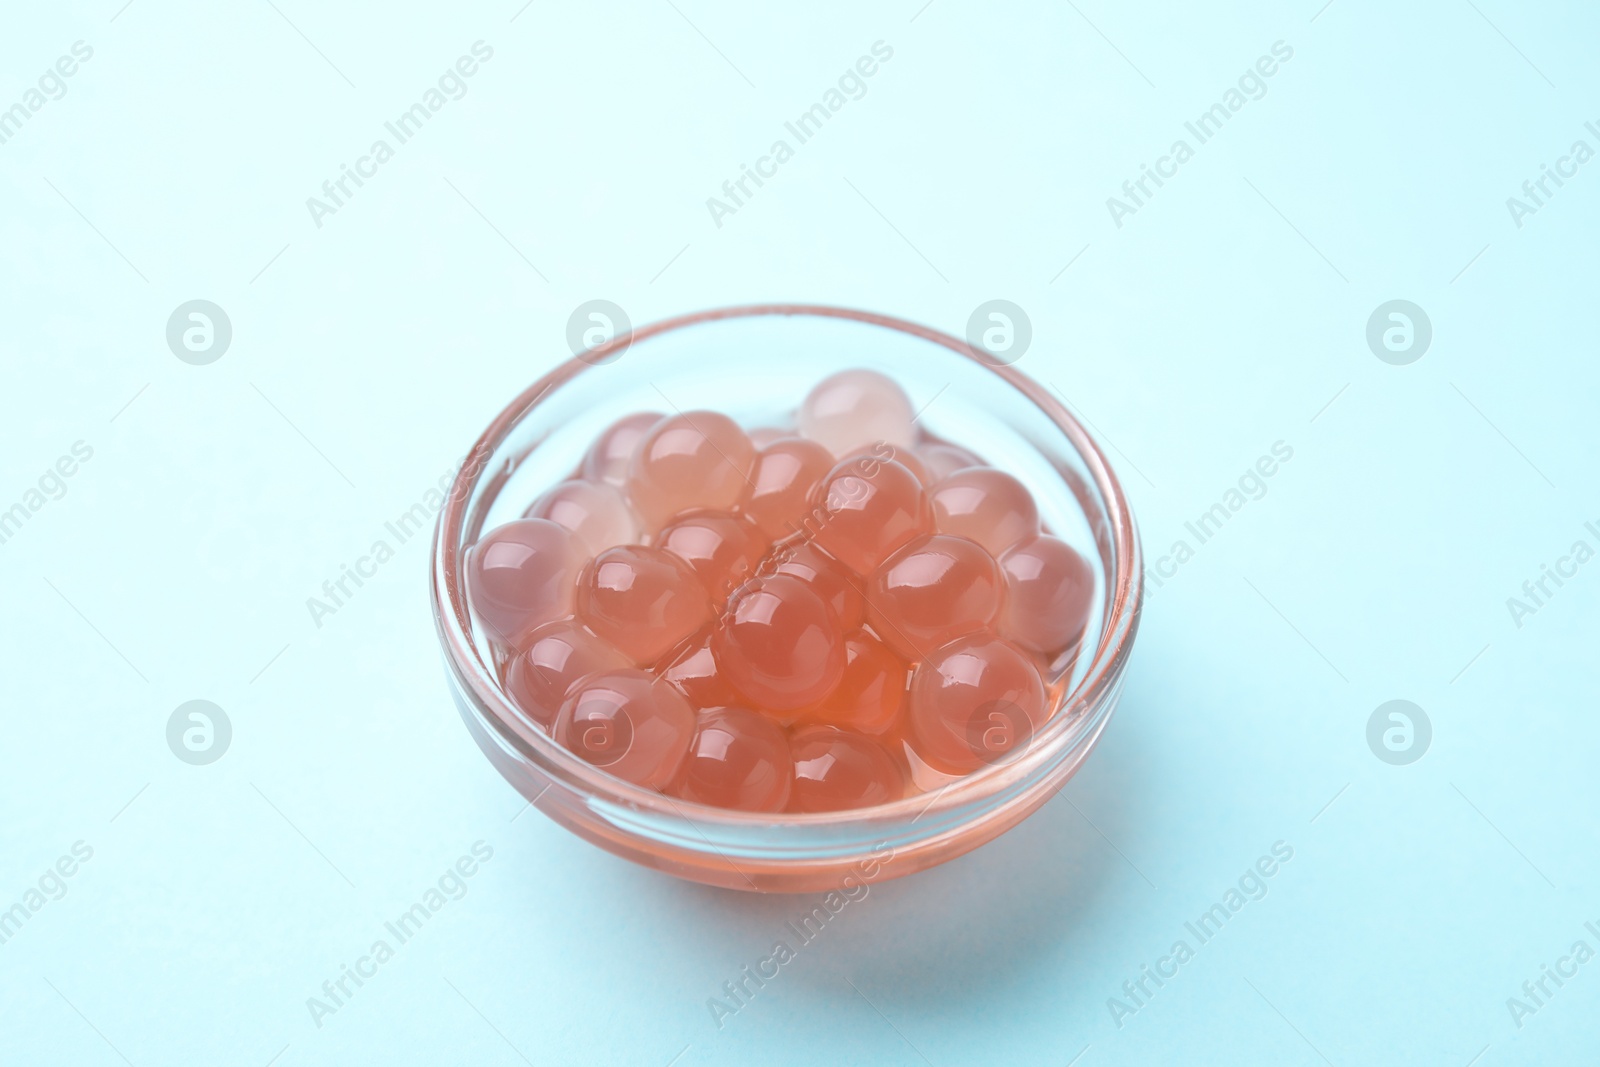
<point x="784" y="619"/>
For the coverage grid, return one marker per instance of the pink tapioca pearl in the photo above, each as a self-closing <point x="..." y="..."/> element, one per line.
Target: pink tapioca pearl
<point x="738" y="759"/>
<point x="1049" y="587"/>
<point x="870" y="510"/>
<point x="522" y="575"/>
<point x="782" y="484"/>
<point x="975" y="702"/>
<point x="944" y="460"/>
<point x="762" y="436"/>
<point x="987" y="506"/>
<point x="854" y="408"/>
<point x="721" y="549"/>
<point x="607" y="459"/>
<point x="700" y="459"/>
<point x="779" y="645"/>
<point x="693" y="672"/>
<point x="558" y="654"/>
<point x="932" y="591"/>
<point x="883" y="451"/>
<point x="644" y="601"/>
<point x="871" y="694"/>
<point x="838" y="588"/>
<point x="597" y="512"/>
<point x="629" y="723"/>
<point x="835" y="770"/>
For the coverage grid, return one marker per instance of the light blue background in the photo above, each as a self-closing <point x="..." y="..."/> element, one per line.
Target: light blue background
<point x="368" y="353"/>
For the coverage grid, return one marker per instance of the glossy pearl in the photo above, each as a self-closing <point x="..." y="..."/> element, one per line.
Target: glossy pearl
<point x="697" y="460"/>
<point x="975" y="702"/>
<point x="521" y="575"/>
<point x="558" y="655"/>
<point x="597" y="512"/>
<point x="987" y="506"/>
<point x="607" y="459"/>
<point x="627" y="723"/>
<point x="783" y="484"/>
<point x="693" y="672"/>
<point x="721" y="549"/>
<point x="932" y="591"/>
<point x="835" y="770"/>
<point x="838" y="588"/>
<point x="871" y="694"/>
<point x="779" y="645"/>
<point x="854" y="408"/>
<point x="644" y="601"/>
<point x="944" y="460"/>
<point x="1049" y="589"/>
<point x="872" y="510"/>
<point x="738" y="759"/>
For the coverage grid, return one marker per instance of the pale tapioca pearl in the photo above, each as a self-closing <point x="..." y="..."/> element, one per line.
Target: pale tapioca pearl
<point x="839" y="589"/>
<point x="943" y="460"/>
<point x="836" y="769"/>
<point x="738" y="759"/>
<point x="762" y="436"/>
<point x="870" y="509"/>
<point x="607" y="459"/>
<point x="522" y="575"/>
<point x="644" y="601"/>
<point x="720" y="548"/>
<point x="975" y="702"/>
<point x="558" y="655"/>
<point x="779" y="645"/>
<point x="854" y="408"/>
<point x="932" y="591"/>
<point x="1049" y="588"/>
<point x="696" y="460"/>
<point x="985" y="505"/>
<point x="596" y="511"/>
<point x="782" y="484"/>
<point x="629" y="723"/>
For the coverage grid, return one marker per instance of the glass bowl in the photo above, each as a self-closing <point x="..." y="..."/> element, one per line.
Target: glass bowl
<point x="756" y="364"/>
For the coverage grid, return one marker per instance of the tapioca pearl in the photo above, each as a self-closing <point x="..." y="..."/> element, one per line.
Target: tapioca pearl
<point x="837" y="770"/>
<point x="932" y="591"/>
<point x="987" y="506"/>
<point x="558" y="655"/>
<point x="522" y="575"/>
<point x="779" y="645"/>
<point x="853" y="408"/>
<point x="697" y="460"/>
<point x="738" y="759"/>
<point x="942" y="460"/>
<point x="607" y="459"/>
<point x="870" y="510"/>
<point x="871" y="695"/>
<point x="1049" y="590"/>
<point x="720" y="548"/>
<point x="827" y="577"/>
<point x="762" y="436"/>
<point x="692" y="670"/>
<point x="629" y="723"/>
<point x="883" y="452"/>
<point x="596" y="511"/>
<point x="644" y="601"/>
<point x="975" y="702"/>
<point x="782" y="484"/>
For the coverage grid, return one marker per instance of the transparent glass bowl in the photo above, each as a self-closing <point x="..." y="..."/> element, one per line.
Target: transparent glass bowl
<point x="756" y="364"/>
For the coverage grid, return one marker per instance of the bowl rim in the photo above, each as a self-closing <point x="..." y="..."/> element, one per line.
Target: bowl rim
<point x="1051" y="745"/>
